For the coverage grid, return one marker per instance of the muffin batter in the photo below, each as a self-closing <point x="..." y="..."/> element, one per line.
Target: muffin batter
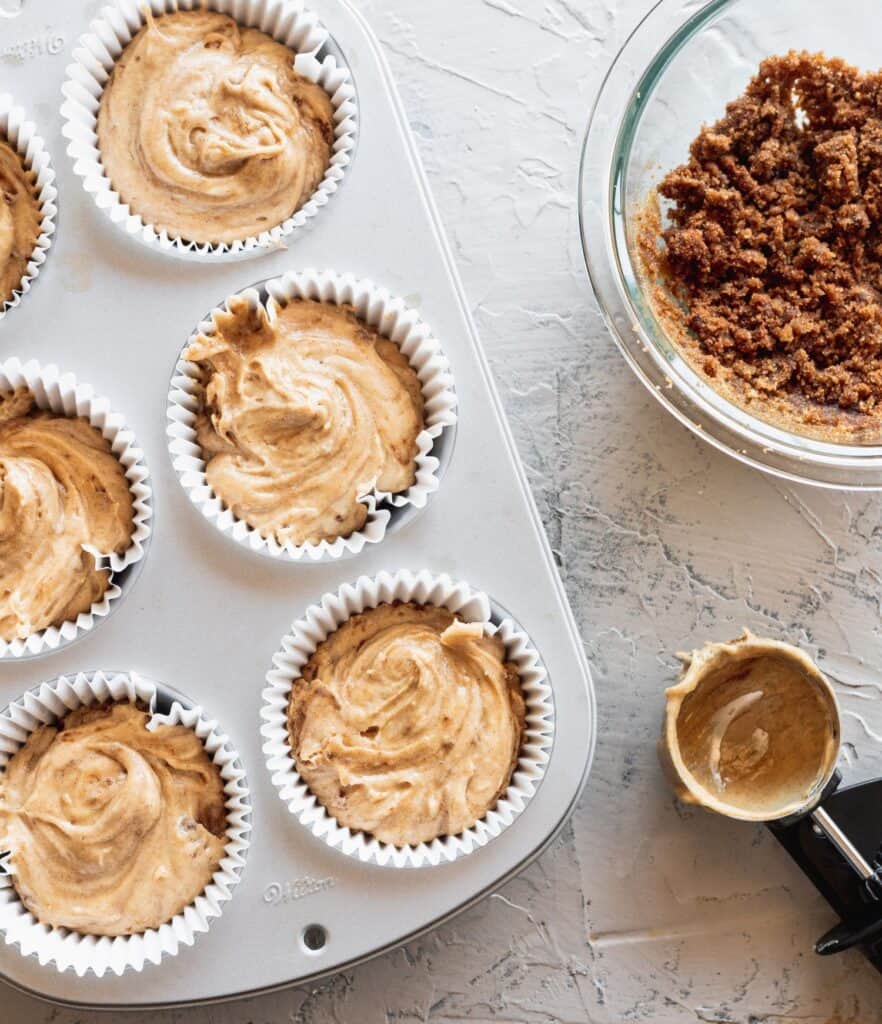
<point x="62" y="490"/>
<point x="754" y="726"/>
<point x="407" y="723"/>
<point x="19" y="220"/>
<point x="305" y="410"/>
<point x="113" y="829"/>
<point x="206" y="130"/>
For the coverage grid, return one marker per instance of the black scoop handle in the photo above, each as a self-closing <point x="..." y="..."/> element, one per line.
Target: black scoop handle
<point x="856" y="899"/>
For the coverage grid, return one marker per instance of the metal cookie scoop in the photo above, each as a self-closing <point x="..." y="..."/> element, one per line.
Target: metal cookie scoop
<point x="752" y="731"/>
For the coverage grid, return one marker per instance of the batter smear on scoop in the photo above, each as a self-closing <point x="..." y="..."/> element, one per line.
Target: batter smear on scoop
<point x="768" y="271"/>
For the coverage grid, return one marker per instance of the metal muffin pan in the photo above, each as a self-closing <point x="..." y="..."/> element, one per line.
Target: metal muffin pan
<point x="207" y="616"/>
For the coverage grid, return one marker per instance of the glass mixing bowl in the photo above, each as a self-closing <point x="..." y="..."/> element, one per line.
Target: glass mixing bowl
<point x="676" y="72"/>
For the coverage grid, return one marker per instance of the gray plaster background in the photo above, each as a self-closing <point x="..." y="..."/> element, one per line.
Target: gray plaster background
<point x="642" y="911"/>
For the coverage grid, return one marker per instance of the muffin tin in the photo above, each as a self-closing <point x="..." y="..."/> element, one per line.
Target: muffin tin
<point x="207" y="616"/>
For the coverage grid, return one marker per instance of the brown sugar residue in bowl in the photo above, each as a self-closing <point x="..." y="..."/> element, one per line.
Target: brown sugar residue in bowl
<point x="772" y="253"/>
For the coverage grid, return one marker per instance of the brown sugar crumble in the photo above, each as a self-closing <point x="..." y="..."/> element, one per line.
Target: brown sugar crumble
<point x="772" y="250"/>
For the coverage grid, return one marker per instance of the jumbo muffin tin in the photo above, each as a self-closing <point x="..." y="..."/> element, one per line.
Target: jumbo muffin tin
<point x="206" y="616"/>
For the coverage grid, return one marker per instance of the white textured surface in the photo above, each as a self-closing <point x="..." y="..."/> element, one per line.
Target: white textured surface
<point x="642" y="911"/>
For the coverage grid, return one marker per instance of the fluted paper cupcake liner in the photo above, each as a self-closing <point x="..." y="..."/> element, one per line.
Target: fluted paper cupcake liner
<point x="323" y="619"/>
<point x="22" y="136"/>
<point x="289" y="23"/>
<point x="391" y="318"/>
<point x="62" y="395"/>
<point x="104" y="954"/>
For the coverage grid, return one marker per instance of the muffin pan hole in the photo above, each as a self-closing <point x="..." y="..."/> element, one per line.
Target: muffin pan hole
<point x="314" y="938"/>
<point x="386" y="512"/>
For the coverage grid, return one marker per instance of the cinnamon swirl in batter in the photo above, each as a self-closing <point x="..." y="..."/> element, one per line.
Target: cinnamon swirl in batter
<point x="407" y="723"/>
<point x="305" y="409"/>
<point x="208" y="133"/>
<point x="112" y="828"/>
<point x="64" y="498"/>
<point x="20" y="220"/>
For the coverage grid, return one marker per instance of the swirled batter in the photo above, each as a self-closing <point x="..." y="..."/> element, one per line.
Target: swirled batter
<point x="407" y="723"/>
<point x="20" y="219"/>
<point x="305" y="409"/>
<point x="206" y="130"/>
<point x="113" y="829"/>
<point x="61" y="490"/>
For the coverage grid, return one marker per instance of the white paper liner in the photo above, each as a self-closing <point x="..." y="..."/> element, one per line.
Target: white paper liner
<point x="287" y="21"/>
<point x="22" y="136"/>
<point x="61" y="394"/>
<point x="391" y="318"/>
<point x="323" y="619"/>
<point x="68" y="950"/>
